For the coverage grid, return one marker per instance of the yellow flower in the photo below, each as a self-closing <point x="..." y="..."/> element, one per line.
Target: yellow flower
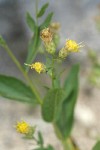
<point x="72" y="46"/>
<point x="46" y="35"/>
<point x="23" y="127"/>
<point x="38" y="66"/>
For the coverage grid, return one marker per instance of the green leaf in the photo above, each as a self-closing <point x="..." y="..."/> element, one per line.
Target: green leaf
<point x="46" y="21"/>
<point x="49" y="147"/>
<point x="57" y="82"/>
<point x="2" y="42"/>
<point x="66" y="114"/>
<point x="40" y="139"/>
<point x="39" y="148"/>
<point x="97" y="146"/>
<point x="15" y="89"/>
<point x="70" y="81"/>
<point x="50" y="107"/>
<point x="34" y="43"/>
<point x="42" y="10"/>
<point x="30" y="22"/>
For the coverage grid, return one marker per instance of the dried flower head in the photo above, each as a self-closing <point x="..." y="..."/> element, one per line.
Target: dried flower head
<point x="38" y="66"/>
<point x="72" y="46"/>
<point x="22" y="127"/>
<point x="46" y="35"/>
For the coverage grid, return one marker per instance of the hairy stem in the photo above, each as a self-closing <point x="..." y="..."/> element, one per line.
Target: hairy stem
<point x="67" y="143"/>
<point x="24" y="73"/>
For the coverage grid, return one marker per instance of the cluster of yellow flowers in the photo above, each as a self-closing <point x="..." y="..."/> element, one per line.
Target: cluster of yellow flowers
<point x="38" y="66"/>
<point x="70" y="46"/>
<point x="47" y="37"/>
<point x="25" y="129"/>
<point x="22" y="127"/>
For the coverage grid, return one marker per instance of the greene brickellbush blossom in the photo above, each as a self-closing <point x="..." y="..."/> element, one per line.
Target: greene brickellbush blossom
<point x="22" y="127"/>
<point x="38" y="66"/>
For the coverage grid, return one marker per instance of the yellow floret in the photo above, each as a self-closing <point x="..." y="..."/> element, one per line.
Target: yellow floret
<point x="22" y="127"/>
<point x="72" y="46"/>
<point x="38" y="66"/>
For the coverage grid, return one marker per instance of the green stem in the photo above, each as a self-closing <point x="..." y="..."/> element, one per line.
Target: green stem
<point x="36" y="11"/>
<point x="24" y="73"/>
<point x="67" y="143"/>
<point x="53" y="73"/>
<point x="57" y="132"/>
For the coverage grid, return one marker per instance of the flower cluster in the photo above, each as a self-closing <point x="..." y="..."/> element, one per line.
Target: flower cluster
<point x="25" y="129"/>
<point x="70" y="46"/>
<point x="38" y="66"/>
<point x="47" y="37"/>
<point x="22" y="127"/>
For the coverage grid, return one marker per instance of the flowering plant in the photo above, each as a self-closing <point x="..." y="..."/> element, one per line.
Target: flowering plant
<point x="57" y="105"/>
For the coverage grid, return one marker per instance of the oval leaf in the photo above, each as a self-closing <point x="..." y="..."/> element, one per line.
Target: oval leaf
<point x="50" y="107"/>
<point x="42" y="10"/>
<point x="15" y="89"/>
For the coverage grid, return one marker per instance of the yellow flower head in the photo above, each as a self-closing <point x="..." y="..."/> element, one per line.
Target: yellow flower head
<point x="46" y="35"/>
<point x="72" y="46"/>
<point x="22" y="127"/>
<point x="38" y="66"/>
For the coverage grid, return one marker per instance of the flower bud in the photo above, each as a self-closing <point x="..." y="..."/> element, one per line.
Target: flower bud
<point x="56" y="39"/>
<point x="50" y="47"/>
<point x="54" y="26"/>
<point x="63" y="53"/>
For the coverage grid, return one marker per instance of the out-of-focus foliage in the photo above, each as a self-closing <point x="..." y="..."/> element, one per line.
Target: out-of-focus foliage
<point x="97" y="146"/>
<point x="94" y="75"/>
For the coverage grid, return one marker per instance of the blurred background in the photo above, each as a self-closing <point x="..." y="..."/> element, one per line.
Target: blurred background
<point x="80" y="21"/>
